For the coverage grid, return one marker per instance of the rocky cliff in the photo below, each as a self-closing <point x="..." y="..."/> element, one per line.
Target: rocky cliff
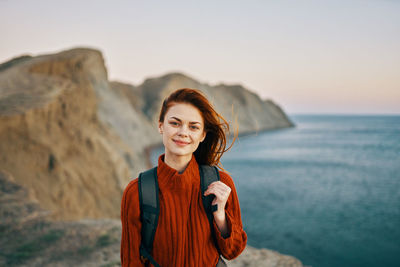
<point x="52" y="139"/>
<point x="73" y="139"/>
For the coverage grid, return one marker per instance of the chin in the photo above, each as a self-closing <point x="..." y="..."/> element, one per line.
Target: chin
<point x="180" y="151"/>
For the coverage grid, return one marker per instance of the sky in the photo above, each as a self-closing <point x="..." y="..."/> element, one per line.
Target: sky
<point x="313" y="57"/>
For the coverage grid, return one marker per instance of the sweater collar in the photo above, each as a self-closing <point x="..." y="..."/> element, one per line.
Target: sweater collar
<point x="169" y="177"/>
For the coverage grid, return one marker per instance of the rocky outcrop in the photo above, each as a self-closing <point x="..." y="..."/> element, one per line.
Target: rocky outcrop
<point x="263" y="257"/>
<point x="52" y="140"/>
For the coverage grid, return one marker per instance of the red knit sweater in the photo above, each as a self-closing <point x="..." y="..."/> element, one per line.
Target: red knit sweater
<point x="183" y="235"/>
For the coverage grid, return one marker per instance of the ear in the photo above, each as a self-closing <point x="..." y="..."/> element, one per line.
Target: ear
<point x="204" y="136"/>
<point x="160" y="127"/>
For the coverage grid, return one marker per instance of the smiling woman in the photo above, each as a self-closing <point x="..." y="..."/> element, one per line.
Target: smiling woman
<point x="181" y="135"/>
<point x="194" y="135"/>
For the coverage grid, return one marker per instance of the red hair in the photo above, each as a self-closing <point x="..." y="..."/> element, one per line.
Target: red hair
<point x="213" y="146"/>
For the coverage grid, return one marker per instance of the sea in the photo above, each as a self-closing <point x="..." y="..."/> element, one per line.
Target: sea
<point x="326" y="191"/>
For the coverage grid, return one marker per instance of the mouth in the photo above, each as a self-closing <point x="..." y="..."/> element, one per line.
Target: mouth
<point x="180" y="143"/>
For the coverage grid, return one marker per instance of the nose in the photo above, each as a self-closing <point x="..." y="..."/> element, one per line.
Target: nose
<point x="183" y="131"/>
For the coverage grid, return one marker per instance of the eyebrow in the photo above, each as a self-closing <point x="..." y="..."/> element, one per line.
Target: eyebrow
<point x="192" y="122"/>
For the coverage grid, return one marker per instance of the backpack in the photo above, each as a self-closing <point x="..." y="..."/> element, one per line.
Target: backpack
<point x="150" y="208"/>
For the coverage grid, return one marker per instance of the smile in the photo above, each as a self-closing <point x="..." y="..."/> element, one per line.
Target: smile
<point x="180" y="143"/>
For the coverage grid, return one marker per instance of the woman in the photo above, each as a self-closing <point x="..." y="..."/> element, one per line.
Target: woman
<point x="192" y="135"/>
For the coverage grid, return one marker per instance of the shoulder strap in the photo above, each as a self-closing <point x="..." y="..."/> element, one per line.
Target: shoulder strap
<point x="149" y="211"/>
<point x="208" y="175"/>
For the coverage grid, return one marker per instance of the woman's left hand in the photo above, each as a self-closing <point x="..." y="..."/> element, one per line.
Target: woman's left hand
<point x="221" y="192"/>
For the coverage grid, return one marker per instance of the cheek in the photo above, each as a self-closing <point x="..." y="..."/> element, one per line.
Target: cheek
<point x="198" y="137"/>
<point x="169" y="131"/>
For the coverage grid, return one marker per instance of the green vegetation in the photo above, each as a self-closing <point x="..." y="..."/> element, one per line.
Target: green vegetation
<point x="104" y="240"/>
<point x="31" y="248"/>
<point x="85" y="250"/>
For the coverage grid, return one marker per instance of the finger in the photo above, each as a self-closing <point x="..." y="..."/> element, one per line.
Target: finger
<point x="220" y="197"/>
<point x="217" y="188"/>
<point x="213" y="185"/>
<point x="217" y="183"/>
<point x="211" y="191"/>
<point x="221" y="187"/>
<point x="211" y="188"/>
<point x="221" y="193"/>
<point x="215" y="191"/>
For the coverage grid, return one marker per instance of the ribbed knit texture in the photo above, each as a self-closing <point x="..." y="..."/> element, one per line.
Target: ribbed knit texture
<point x="183" y="236"/>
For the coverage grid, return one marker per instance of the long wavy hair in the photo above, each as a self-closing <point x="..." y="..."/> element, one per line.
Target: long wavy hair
<point x="217" y="128"/>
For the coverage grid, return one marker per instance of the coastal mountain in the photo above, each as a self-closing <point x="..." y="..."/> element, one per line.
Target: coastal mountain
<point x="73" y="139"/>
<point x="253" y="113"/>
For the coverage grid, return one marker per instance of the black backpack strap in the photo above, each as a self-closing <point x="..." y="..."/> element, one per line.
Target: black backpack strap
<point x="208" y="175"/>
<point x="149" y="211"/>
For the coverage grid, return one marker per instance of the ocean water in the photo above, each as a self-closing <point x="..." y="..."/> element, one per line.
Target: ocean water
<point x="326" y="191"/>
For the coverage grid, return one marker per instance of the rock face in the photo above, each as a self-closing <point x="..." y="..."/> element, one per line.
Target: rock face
<point x="263" y="257"/>
<point x="74" y="140"/>
<point x="52" y="140"/>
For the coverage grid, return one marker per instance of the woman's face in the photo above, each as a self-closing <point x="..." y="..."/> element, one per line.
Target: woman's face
<point x="182" y="129"/>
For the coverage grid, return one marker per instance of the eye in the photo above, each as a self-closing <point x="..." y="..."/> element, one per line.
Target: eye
<point x="195" y="127"/>
<point x="173" y="123"/>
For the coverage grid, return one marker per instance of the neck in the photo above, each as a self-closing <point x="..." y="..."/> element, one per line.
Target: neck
<point x="179" y="163"/>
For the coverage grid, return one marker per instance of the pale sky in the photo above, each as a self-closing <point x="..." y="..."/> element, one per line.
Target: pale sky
<point x="308" y="56"/>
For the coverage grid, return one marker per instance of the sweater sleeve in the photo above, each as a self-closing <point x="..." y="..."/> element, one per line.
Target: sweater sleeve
<point x="131" y="226"/>
<point x="234" y="243"/>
